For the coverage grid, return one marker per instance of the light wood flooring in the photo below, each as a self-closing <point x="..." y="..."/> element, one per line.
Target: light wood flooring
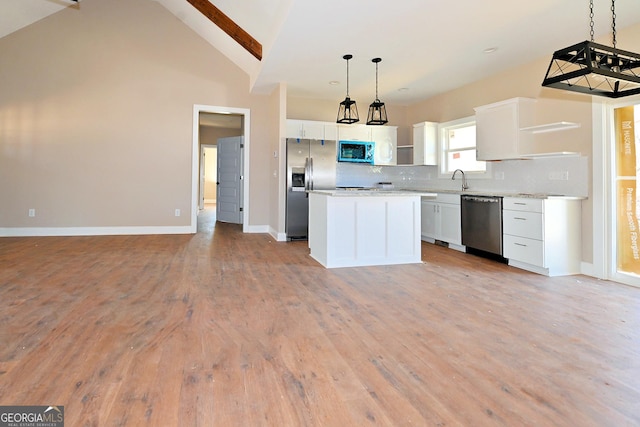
<point x="229" y="329"/>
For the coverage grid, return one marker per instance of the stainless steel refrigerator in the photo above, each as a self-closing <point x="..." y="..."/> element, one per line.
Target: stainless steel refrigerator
<point x="311" y="165"/>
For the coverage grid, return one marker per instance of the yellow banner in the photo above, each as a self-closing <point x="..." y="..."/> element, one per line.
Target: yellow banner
<point x="627" y="219"/>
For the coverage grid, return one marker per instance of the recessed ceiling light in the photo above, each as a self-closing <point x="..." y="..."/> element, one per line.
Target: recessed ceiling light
<point x="403" y="89"/>
<point x="490" y="49"/>
<point x="334" y="82"/>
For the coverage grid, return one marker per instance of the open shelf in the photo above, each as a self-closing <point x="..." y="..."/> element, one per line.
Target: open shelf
<point x="551" y="127"/>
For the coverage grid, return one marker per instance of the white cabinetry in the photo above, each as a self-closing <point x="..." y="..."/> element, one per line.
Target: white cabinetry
<point x="498" y="135"/>
<point x="441" y="220"/>
<point x="358" y="230"/>
<point x="542" y="235"/>
<point x="425" y="143"/>
<point x="505" y="130"/>
<point x="386" y="140"/>
<point x="354" y="133"/>
<point x="309" y="129"/>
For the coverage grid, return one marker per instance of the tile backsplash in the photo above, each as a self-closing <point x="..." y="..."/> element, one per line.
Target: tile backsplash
<point x="566" y="175"/>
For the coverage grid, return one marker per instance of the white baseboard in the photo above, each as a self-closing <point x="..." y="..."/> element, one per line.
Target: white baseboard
<point x="279" y="237"/>
<point x="90" y="231"/>
<point x="586" y="268"/>
<point x="255" y="228"/>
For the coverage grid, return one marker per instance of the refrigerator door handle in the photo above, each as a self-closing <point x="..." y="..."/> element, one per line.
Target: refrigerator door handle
<point x="306" y="174"/>
<point x="311" y="173"/>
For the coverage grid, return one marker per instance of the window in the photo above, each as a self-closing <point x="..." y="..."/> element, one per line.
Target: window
<point x="458" y="147"/>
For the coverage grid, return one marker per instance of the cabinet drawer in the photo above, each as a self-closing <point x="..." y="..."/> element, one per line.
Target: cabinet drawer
<point x="525" y="250"/>
<point x="523" y="224"/>
<point x="522" y="204"/>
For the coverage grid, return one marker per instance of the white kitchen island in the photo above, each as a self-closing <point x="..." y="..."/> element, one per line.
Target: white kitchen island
<point x="359" y="228"/>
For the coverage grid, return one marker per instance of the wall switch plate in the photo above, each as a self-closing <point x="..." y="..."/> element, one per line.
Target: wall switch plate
<point x="177" y="212"/>
<point x="499" y="175"/>
<point x="32" y="213"/>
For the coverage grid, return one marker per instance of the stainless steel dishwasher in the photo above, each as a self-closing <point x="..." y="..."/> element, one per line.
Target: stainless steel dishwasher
<point x="481" y="218"/>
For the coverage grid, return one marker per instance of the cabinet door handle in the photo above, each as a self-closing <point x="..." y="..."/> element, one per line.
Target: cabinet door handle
<point x="518" y="218"/>
<point x="520" y="244"/>
<point x="520" y="203"/>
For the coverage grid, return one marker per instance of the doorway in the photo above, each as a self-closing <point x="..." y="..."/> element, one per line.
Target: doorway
<point x="209" y="124"/>
<point x="208" y="174"/>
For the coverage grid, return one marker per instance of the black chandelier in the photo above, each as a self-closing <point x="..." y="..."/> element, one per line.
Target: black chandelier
<point x="348" y="110"/>
<point x="595" y="69"/>
<point x="377" y="111"/>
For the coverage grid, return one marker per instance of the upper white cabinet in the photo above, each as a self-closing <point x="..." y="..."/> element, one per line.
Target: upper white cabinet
<point x="309" y="129"/>
<point x="498" y="125"/>
<point x="354" y="132"/>
<point x="425" y="143"/>
<point x="506" y="130"/>
<point x="386" y="139"/>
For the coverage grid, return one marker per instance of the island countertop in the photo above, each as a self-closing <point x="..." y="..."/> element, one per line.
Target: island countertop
<point x="368" y="192"/>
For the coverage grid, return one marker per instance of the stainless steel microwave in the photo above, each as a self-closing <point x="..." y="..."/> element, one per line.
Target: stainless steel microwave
<point x="356" y="151"/>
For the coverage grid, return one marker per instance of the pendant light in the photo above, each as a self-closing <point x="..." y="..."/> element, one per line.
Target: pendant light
<point x="377" y="111"/>
<point x="348" y="110"/>
<point x="595" y="69"/>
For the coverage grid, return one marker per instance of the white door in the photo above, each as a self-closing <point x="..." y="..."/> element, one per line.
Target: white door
<point x="229" y="189"/>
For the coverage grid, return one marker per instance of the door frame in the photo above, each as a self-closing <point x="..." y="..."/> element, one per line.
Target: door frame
<point x="195" y="160"/>
<point x="604" y="189"/>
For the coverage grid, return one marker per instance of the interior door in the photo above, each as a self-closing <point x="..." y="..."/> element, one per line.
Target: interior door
<point x="229" y="180"/>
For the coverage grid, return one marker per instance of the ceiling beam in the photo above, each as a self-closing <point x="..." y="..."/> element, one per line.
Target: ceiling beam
<point x="227" y="25"/>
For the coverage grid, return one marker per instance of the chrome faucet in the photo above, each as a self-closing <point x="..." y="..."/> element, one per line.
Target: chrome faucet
<point x="464" y="179"/>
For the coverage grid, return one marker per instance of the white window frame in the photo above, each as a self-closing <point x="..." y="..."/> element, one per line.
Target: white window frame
<point x="443" y="130"/>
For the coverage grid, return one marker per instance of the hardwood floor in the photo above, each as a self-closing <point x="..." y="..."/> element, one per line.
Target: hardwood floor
<point x="228" y="329"/>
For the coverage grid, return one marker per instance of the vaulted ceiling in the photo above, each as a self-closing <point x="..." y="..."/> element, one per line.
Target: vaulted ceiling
<point x="427" y="46"/>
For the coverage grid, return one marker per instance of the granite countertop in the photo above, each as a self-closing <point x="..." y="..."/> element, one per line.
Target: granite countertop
<point x="498" y="193"/>
<point x="361" y="192"/>
<point x="431" y="193"/>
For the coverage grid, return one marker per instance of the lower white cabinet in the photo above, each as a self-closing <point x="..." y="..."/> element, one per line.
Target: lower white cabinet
<point x="543" y="235"/>
<point x="440" y="220"/>
<point x="352" y="229"/>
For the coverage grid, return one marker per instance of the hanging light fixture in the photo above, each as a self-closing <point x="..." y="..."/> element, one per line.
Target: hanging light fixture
<point x="348" y="110"/>
<point x="377" y="111"/>
<point x="595" y="69"/>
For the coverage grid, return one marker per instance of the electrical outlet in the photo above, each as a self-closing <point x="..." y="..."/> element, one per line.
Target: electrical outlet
<point x="177" y="212"/>
<point x="499" y="175"/>
<point x="559" y="176"/>
<point x="32" y="212"/>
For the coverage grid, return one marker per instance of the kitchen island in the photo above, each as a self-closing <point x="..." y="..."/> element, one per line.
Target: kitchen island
<point x="366" y="227"/>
